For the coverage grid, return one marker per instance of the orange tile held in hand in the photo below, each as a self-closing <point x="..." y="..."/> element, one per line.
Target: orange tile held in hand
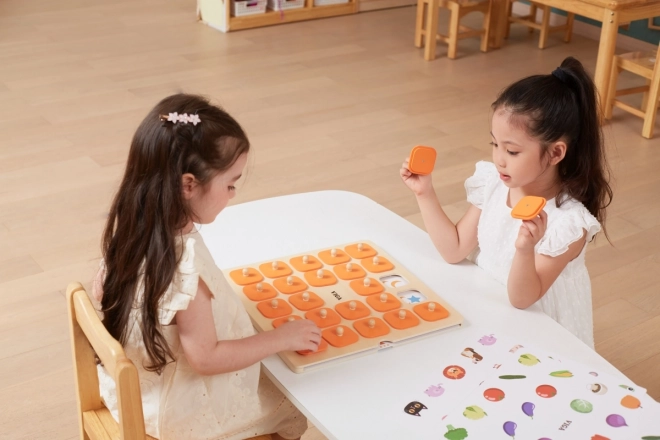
<point x="528" y="207"/>
<point x="252" y="291"/>
<point x="339" y="257"/>
<point x="323" y="346"/>
<point x="371" y="327"/>
<point x="245" y="276"/>
<point x="281" y="270"/>
<point x="279" y="321"/>
<point x="373" y="287"/>
<point x="290" y="284"/>
<point x="323" y="317"/>
<point x="306" y="301"/>
<point x="305" y="263"/>
<point x="360" y="251"/>
<point x="401" y="321"/>
<point x="431" y="311"/>
<point x="377" y="264"/>
<point x="343" y="272"/>
<point x="340" y="336"/>
<point x="274" y="308"/>
<point x="422" y="160"/>
<point x="358" y="310"/>
<point x="390" y="302"/>
<point x="327" y="278"/>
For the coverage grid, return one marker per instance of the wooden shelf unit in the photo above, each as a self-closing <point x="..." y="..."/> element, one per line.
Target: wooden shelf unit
<point x="218" y="14"/>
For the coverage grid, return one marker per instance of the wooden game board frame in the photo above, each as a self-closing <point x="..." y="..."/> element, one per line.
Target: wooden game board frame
<point x="299" y="363"/>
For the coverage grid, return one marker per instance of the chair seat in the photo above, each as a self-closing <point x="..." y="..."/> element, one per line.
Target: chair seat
<point x="100" y="424"/>
<point x="640" y="63"/>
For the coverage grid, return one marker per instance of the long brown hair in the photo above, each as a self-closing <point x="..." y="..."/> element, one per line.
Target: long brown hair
<point x="564" y="105"/>
<point x="139" y="241"/>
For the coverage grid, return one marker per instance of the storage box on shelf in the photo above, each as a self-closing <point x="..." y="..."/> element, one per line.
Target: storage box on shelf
<point x="241" y="8"/>
<point x="285" y="5"/>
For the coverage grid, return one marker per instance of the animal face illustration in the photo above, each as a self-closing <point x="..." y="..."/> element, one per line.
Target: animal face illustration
<point x="454" y="372"/>
<point x="471" y="354"/>
<point x="414" y="408"/>
<point x="435" y="390"/>
<point x="488" y="340"/>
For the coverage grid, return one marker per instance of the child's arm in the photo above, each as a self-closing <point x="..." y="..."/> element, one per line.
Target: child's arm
<point x="454" y="242"/>
<point x="532" y="275"/>
<point x="207" y="355"/>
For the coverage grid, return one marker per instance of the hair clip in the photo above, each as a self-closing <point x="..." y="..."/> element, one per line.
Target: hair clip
<point x="184" y="118"/>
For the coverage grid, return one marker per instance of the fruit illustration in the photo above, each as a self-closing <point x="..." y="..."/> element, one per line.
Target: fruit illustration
<point x="582" y="406"/>
<point x="593" y="373"/>
<point x="626" y="387"/>
<point x="528" y="360"/>
<point x="512" y="376"/>
<point x="561" y="373"/>
<point x="631" y="402"/>
<point x="454" y="372"/>
<point x="494" y="394"/>
<point x="615" y="421"/>
<point x="474" y="412"/>
<point x="455" y="433"/>
<point x="599" y="437"/>
<point x="488" y="340"/>
<point x="528" y="409"/>
<point x="510" y="429"/>
<point x="435" y="390"/>
<point x="546" y="391"/>
<point x="597" y="388"/>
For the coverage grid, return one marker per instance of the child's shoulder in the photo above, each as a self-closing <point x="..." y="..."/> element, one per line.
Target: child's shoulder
<point x="481" y="184"/>
<point x="567" y="223"/>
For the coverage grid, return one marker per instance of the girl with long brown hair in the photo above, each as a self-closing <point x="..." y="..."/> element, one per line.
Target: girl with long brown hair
<point x="546" y="142"/>
<point x="164" y="299"/>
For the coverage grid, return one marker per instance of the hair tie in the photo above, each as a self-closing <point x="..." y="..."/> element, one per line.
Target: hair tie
<point x="184" y="118"/>
<point x="561" y="75"/>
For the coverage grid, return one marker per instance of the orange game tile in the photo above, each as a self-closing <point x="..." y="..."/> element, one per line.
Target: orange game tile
<point x="306" y="301"/>
<point x="360" y="250"/>
<point x="340" y="336"/>
<point x="323" y="317"/>
<point x="279" y="321"/>
<point x="358" y="311"/>
<point x="376" y="302"/>
<point x="252" y="291"/>
<point x="282" y="270"/>
<point x="313" y="278"/>
<point x="312" y="263"/>
<point x="371" y="327"/>
<point x="323" y="346"/>
<point x="377" y="264"/>
<point x="282" y="308"/>
<point x="356" y="271"/>
<point x="394" y="318"/>
<point x="243" y="277"/>
<point x="290" y="284"/>
<point x="431" y="311"/>
<point x="373" y="287"/>
<point x="340" y="256"/>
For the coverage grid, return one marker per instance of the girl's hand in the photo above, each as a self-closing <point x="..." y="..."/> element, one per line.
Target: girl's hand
<point x="531" y="231"/>
<point x="418" y="184"/>
<point x="298" y="335"/>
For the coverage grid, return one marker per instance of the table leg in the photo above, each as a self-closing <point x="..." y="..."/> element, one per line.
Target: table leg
<point x="431" y="29"/>
<point x="419" y="24"/>
<point x="605" y="58"/>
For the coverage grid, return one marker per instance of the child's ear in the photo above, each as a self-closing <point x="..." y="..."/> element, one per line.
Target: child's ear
<point x="557" y="152"/>
<point x="188" y="185"/>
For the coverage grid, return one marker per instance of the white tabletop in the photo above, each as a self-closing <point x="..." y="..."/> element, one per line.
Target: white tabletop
<point x="351" y="399"/>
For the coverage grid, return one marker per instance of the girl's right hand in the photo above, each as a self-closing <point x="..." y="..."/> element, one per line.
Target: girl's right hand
<point x="419" y="184"/>
<point x="298" y="335"/>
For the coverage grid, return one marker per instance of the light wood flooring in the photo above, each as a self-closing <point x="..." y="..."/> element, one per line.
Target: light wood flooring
<point x="328" y="104"/>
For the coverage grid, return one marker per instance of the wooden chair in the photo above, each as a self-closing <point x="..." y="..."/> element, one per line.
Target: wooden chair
<point x="646" y="65"/>
<point x="426" y="28"/>
<point x="545" y="28"/>
<point x="89" y="338"/>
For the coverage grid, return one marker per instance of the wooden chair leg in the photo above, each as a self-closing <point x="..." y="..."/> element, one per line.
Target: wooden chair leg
<point x="431" y="29"/>
<point x="419" y="24"/>
<point x="509" y="11"/>
<point x="545" y="27"/>
<point x="454" y="20"/>
<point x="532" y="16"/>
<point x="486" y="27"/>
<point x="570" y="18"/>
<point x="609" y="105"/>
<point x="651" y="105"/>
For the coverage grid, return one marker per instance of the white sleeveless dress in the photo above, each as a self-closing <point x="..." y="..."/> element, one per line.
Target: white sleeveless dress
<point x="568" y="301"/>
<point x="180" y="404"/>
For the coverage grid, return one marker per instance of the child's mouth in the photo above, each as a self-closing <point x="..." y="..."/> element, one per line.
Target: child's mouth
<point x="505" y="177"/>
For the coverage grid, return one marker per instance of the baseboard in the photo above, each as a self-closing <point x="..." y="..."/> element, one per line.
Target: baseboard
<point x="624" y="43"/>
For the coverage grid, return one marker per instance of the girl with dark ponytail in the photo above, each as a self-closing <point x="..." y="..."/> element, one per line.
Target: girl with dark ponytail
<point x="165" y="300"/>
<point x="547" y="142"/>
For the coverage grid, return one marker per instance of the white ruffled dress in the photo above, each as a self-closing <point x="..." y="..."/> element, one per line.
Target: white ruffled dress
<point x="180" y="404"/>
<point x="568" y="301"/>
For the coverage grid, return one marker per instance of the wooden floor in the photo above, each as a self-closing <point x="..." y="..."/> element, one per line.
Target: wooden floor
<point x="328" y="104"/>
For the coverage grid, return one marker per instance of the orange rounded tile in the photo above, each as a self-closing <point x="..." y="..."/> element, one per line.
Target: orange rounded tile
<point x="379" y="327"/>
<point x="282" y="308"/>
<point x="279" y="321"/>
<point x="340" y="257"/>
<point x="331" y="317"/>
<point x="376" y="302"/>
<point x="283" y="269"/>
<point x="393" y="319"/>
<point x="297" y="285"/>
<point x="382" y="264"/>
<point x="366" y="251"/>
<point x="356" y="271"/>
<point x="252" y="291"/>
<point x="360" y="310"/>
<point x="312" y="263"/>
<point x="426" y="314"/>
<point x="374" y="287"/>
<point x="313" y="301"/>
<point x="313" y="279"/>
<point x="347" y="338"/>
<point x="252" y="276"/>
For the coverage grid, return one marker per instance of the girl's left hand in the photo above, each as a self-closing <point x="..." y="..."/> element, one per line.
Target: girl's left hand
<point x="531" y="232"/>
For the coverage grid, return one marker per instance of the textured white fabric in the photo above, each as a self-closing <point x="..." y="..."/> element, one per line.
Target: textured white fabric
<point x="568" y="301"/>
<point x="180" y="404"/>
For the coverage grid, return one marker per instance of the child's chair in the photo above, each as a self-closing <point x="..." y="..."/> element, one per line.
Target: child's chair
<point x="644" y="64"/>
<point x="545" y="28"/>
<point x="426" y="28"/>
<point x="89" y="338"/>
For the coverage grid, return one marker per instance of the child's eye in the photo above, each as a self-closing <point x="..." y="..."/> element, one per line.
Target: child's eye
<point x="493" y="144"/>
<point x="231" y="188"/>
<point x="513" y="153"/>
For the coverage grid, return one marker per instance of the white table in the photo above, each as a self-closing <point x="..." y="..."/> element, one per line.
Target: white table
<point x="350" y="399"/>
